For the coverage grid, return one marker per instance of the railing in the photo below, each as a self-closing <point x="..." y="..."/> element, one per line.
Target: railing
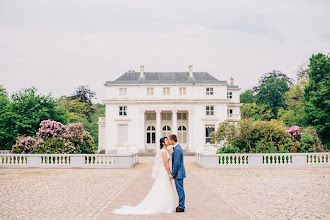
<point x="4" y="151"/>
<point x="265" y="160"/>
<point x="233" y="116"/>
<point x="68" y="160"/>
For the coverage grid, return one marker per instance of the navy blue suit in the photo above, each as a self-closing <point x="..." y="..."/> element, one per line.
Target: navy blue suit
<point x="179" y="173"/>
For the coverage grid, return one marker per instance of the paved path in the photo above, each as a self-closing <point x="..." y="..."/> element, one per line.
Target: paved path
<point x="210" y="193"/>
<point x="201" y="201"/>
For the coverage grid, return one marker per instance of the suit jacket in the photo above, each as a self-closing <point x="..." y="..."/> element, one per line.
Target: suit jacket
<point x="178" y="170"/>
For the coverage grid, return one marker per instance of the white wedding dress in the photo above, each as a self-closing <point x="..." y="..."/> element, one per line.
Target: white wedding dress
<point x="160" y="198"/>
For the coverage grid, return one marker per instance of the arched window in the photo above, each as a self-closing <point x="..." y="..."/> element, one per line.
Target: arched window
<point x="151" y="135"/>
<point x="182" y="134"/>
<point x="166" y="131"/>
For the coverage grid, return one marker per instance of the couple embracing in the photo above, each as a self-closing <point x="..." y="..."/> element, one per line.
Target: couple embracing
<point x="160" y="198"/>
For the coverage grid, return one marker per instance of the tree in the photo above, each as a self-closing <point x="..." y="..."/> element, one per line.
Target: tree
<point x="83" y="94"/>
<point x="296" y="102"/>
<point x="317" y="93"/>
<point x="274" y="74"/>
<point x="247" y="97"/>
<point x="303" y="71"/>
<point x="3" y="91"/>
<point x="22" y="116"/>
<point x="256" y="112"/>
<point x="271" y="93"/>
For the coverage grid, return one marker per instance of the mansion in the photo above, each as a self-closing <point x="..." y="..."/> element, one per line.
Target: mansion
<point x="142" y="107"/>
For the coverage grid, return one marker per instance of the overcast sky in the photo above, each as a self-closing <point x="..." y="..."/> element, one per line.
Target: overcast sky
<point x="59" y="45"/>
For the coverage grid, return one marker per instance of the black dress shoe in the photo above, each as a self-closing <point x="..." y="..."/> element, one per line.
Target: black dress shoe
<point x="179" y="210"/>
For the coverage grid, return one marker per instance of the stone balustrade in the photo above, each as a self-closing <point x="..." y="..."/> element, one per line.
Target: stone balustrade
<point x="4" y="151"/>
<point x="263" y="160"/>
<point x="69" y="160"/>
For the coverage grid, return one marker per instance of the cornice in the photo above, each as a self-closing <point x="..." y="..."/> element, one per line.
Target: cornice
<point x="235" y="104"/>
<point x="177" y="101"/>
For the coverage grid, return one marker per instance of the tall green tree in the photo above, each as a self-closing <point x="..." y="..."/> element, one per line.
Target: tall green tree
<point x="296" y="103"/>
<point x="271" y="93"/>
<point x="317" y="93"/>
<point x="247" y="97"/>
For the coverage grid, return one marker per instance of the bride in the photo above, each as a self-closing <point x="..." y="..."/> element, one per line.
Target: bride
<point x="160" y="198"/>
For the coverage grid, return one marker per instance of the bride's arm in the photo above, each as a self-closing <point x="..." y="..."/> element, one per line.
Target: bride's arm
<point x="164" y="156"/>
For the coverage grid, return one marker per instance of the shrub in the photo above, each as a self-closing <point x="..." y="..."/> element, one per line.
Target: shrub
<point x="228" y="148"/>
<point x="55" y="138"/>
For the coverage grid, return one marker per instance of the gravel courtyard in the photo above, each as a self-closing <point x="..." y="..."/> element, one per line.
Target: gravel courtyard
<point x="86" y="193"/>
<point x="273" y="193"/>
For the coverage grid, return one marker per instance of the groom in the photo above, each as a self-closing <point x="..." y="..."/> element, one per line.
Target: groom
<point x="178" y="171"/>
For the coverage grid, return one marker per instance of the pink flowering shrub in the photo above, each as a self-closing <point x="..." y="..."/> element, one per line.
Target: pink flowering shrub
<point x="305" y="140"/>
<point x="55" y="138"/>
<point x="295" y="133"/>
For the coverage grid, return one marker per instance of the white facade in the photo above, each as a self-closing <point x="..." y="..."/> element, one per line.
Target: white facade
<point x="141" y="111"/>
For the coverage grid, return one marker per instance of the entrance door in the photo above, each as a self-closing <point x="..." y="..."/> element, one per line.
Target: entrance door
<point x="150" y="137"/>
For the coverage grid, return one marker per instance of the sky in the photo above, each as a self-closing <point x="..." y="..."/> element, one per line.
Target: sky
<point x="59" y="45"/>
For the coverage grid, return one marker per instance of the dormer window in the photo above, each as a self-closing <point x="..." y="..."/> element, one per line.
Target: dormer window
<point x="209" y="91"/>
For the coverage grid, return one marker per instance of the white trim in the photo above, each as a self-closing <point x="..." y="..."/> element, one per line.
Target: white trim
<point x="169" y="101"/>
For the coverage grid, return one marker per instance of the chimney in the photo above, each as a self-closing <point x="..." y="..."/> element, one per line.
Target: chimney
<point x="141" y="71"/>
<point x="231" y="81"/>
<point x="191" y="74"/>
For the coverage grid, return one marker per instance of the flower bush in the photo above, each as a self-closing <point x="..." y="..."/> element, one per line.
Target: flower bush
<point x="249" y="136"/>
<point x="55" y="138"/>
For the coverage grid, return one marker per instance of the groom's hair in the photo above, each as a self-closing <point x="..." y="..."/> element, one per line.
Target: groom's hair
<point x="173" y="137"/>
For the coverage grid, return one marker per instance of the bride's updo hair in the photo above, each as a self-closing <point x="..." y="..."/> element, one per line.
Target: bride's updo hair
<point x="162" y="140"/>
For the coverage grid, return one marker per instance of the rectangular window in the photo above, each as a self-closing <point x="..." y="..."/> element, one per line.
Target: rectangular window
<point x="166" y="116"/>
<point x="166" y="91"/>
<point x="182" y="137"/>
<point x="122" y="134"/>
<point x="208" y="130"/>
<point x="182" y="91"/>
<point x="122" y="110"/>
<point x="151" y="116"/>
<point x="229" y="112"/>
<point x="150" y="91"/>
<point x="209" y="110"/>
<point x="209" y="91"/>
<point x="122" y="91"/>
<point x="182" y="116"/>
<point x="229" y="95"/>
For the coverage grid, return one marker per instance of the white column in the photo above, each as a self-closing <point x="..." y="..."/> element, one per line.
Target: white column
<point x="142" y="132"/>
<point x="190" y="130"/>
<point x="158" y="127"/>
<point x="174" y="122"/>
<point x="101" y="126"/>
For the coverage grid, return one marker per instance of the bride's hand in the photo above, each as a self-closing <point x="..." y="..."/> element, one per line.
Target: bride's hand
<point x="172" y="152"/>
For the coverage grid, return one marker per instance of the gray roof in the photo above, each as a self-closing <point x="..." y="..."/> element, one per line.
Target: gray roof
<point x="166" y="78"/>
